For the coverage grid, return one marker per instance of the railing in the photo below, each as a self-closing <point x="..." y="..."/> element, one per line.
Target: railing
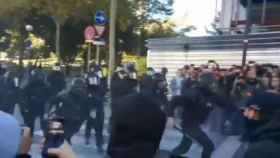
<point x="241" y="28"/>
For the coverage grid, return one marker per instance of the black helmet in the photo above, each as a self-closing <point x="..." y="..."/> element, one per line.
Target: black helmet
<point x="79" y="84"/>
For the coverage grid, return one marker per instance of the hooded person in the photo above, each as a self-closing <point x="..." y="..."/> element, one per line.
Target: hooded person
<point x="9" y="92"/>
<point x="263" y="111"/>
<point x="70" y="105"/>
<point x="56" y="80"/>
<point x="33" y="99"/>
<point x="137" y="127"/>
<point x="197" y="100"/>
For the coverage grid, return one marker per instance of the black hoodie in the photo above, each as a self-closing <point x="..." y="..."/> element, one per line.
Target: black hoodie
<point x="266" y="142"/>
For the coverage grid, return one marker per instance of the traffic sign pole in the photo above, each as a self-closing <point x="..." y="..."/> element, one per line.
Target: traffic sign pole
<point x="88" y="56"/>
<point x="98" y="54"/>
<point x="89" y="34"/>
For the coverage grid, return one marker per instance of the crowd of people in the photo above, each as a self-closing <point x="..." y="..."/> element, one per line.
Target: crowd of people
<point x="248" y="97"/>
<point x="143" y="105"/>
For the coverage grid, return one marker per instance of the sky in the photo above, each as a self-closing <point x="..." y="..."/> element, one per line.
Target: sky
<point x="199" y="13"/>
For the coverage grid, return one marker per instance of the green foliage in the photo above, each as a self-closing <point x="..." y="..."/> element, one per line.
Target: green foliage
<point x="14" y="43"/>
<point x="74" y="15"/>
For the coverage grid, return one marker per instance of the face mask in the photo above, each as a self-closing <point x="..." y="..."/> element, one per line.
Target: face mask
<point x="56" y="68"/>
<point x="150" y="73"/>
<point x="6" y="74"/>
<point x="92" y="70"/>
<point x="121" y="76"/>
<point x="32" y="73"/>
<point x="99" y="74"/>
<point x="16" y="82"/>
<point x="133" y="76"/>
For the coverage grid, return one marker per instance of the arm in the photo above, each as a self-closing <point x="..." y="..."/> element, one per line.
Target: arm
<point x="174" y="103"/>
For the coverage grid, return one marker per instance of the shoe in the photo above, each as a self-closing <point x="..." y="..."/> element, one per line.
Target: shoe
<point x="173" y="156"/>
<point x="87" y="142"/>
<point x="100" y="150"/>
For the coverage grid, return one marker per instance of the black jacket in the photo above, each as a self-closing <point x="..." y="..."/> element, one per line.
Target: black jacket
<point x="194" y="104"/>
<point x="23" y="156"/>
<point x="266" y="140"/>
<point x="57" y="81"/>
<point x="137" y="127"/>
<point x="36" y="93"/>
<point x="121" y="87"/>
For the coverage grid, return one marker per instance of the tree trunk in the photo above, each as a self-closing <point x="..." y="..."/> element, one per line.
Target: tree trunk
<point x="57" y="40"/>
<point x="21" y="51"/>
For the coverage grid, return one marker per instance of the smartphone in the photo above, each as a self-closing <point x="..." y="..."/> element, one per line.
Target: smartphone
<point x="54" y="136"/>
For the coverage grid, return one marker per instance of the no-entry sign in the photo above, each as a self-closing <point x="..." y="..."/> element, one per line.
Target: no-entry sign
<point x="90" y="33"/>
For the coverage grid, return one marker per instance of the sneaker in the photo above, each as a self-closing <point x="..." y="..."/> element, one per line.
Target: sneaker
<point x="173" y="156"/>
<point x="100" y="150"/>
<point x="87" y="142"/>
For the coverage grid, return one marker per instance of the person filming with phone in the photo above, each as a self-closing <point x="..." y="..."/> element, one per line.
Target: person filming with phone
<point x="16" y="141"/>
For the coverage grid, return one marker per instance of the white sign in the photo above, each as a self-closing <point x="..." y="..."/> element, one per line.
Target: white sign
<point x="99" y="43"/>
<point x="99" y="31"/>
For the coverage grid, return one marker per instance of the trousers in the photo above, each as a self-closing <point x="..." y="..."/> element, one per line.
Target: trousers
<point x="194" y="133"/>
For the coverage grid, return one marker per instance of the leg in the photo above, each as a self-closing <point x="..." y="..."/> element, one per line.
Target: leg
<point x="29" y="120"/>
<point x="99" y="125"/>
<point x="183" y="147"/>
<point x="98" y="133"/>
<point x="208" y="146"/>
<point x="99" y="138"/>
<point x="89" y="125"/>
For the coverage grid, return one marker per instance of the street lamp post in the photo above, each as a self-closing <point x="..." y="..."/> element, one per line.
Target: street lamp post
<point x="112" y="38"/>
<point x="28" y="28"/>
<point x="247" y="31"/>
<point x="112" y="50"/>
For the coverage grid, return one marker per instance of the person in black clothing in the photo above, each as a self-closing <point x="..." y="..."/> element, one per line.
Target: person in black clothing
<point x="9" y="91"/>
<point x="137" y="127"/>
<point x="121" y="85"/>
<point x="263" y="110"/>
<point x="33" y="99"/>
<point x="56" y="80"/>
<point x="199" y="95"/>
<point x="2" y="69"/>
<point x="72" y="106"/>
<point x="95" y="106"/>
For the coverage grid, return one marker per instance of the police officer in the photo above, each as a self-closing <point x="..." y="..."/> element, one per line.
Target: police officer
<point x="121" y="85"/>
<point x="95" y="116"/>
<point x="56" y="80"/>
<point x="155" y="84"/>
<point x="132" y="75"/>
<point x="9" y="91"/>
<point x="105" y="73"/>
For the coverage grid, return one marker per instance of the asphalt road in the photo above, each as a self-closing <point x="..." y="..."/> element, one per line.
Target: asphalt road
<point x="225" y="146"/>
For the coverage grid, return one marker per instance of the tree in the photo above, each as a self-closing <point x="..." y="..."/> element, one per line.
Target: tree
<point x="61" y="23"/>
<point x="60" y="11"/>
<point x="14" y="12"/>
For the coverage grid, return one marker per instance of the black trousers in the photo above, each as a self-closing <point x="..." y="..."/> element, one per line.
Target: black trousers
<point x="194" y="133"/>
<point x="97" y="123"/>
<point x="30" y="118"/>
<point x="98" y="127"/>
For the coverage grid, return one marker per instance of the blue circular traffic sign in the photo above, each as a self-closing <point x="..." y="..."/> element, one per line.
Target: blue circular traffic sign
<point x="100" y="18"/>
